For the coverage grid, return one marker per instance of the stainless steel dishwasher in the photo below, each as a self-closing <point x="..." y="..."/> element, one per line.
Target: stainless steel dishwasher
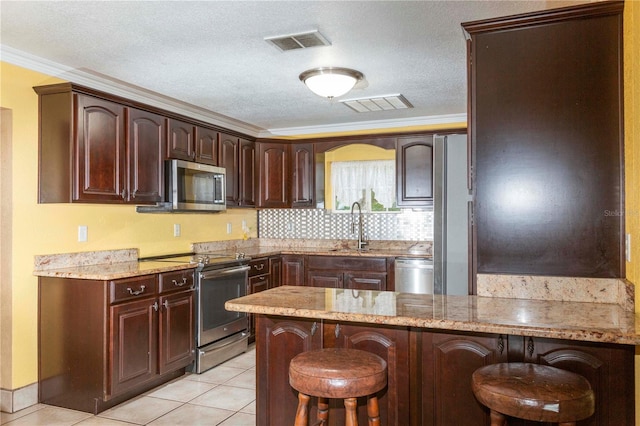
<point x="414" y="275"/>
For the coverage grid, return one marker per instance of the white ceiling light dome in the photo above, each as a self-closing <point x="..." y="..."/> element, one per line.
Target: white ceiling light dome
<point x="330" y="82"/>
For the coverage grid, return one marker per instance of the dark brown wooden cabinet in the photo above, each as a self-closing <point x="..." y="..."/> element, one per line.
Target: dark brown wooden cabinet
<point x="102" y="342"/>
<point x="274" y="175"/>
<point x="284" y="338"/>
<point x="181" y="140"/>
<point x="447" y="361"/>
<point x="356" y="273"/>
<point x="546" y="138"/>
<point x="206" y="148"/>
<point x="237" y="156"/>
<point x="302" y="175"/>
<point x="281" y="339"/>
<point x="275" y="271"/>
<point x="392" y="345"/>
<point x="414" y="171"/>
<point x="292" y="269"/>
<point x="147" y="148"/>
<point x="88" y="155"/>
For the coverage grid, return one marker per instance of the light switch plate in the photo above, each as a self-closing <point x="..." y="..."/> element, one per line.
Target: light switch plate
<point x="627" y="247"/>
<point x="229" y="228"/>
<point x="176" y="230"/>
<point x="83" y="233"/>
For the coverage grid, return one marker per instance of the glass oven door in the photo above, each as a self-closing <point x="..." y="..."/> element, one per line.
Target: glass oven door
<point x="215" y="288"/>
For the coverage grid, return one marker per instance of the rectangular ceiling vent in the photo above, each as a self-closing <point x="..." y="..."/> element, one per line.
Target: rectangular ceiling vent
<point x="378" y="103"/>
<point x="298" y="41"/>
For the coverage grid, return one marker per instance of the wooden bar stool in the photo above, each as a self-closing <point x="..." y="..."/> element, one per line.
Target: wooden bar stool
<point x="337" y="373"/>
<point x="533" y="392"/>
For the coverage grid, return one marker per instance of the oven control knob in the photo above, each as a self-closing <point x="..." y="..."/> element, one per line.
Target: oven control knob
<point x="240" y="255"/>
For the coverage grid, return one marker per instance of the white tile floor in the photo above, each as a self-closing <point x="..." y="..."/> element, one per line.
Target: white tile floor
<point x="224" y="395"/>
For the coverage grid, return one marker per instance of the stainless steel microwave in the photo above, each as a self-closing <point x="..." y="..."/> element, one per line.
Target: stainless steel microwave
<point x="193" y="186"/>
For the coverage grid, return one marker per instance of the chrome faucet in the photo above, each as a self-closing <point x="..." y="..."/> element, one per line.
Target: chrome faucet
<point x="361" y="241"/>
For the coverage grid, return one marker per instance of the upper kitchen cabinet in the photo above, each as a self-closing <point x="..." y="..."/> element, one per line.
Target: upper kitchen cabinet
<point x="273" y="169"/>
<point x="414" y="171"/>
<point x="87" y="155"/>
<point x="546" y="138"/>
<point x="237" y="156"/>
<point x="181" y="140"/>
<point x="302" y="170"/>
<point x="192" y="143"/>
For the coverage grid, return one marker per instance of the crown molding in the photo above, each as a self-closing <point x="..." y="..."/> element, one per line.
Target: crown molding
<point x="138" y="94"/>
<point x="359" y="126"/>
<point x="122" y="89"/>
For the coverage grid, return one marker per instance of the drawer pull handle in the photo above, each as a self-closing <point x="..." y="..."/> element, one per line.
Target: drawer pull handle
<point x="259" y="267"/>
<point x="136" y="292"/>
<point x="314" y="328"/>
<point x="180" y="284"/>
<point x="166" y="304"/>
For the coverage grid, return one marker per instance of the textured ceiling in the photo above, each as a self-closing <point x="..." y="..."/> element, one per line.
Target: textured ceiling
<point x="212" y="54"/>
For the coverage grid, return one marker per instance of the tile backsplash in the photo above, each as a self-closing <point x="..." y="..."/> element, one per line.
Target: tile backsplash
<point x="407" y="225"/>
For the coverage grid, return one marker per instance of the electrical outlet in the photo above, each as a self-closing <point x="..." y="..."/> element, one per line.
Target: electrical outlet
<point x="229" y="228"/>
<point x="83" y="234"/>
<point x="176" y="229"/>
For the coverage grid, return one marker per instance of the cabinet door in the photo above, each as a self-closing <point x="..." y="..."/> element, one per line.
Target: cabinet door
<point x="292" y="270"/>
<point x="134" y="344"/>
<point x="281" y="339"/>
<point x="274" y="175"/>
<point x="414" y="171"/>
<point x="206" y="146"/>
<point x="320" y="278"/>
<point x="147" y="147"/>
<point x="275" y="271"/>
<point x="302" y="170"/>
<point x="365" y="280"/>
<point x="177" y="340"/>
<point x="392" y="345"/>
<point x="228" y="158"/>
<point x="609" y="370"/>
<point x="181" y="140"/>
<point x="448" y="360"/>
<point x="247" y="174"/>
<point x="100" y="151"/>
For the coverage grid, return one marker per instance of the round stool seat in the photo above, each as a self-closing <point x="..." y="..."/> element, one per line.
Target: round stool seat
<point x="534" y="392"/>
<point x="337" y="373"/>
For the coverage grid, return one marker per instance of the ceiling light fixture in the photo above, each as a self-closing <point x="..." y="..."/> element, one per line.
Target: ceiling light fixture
<point x="330" y="82"/>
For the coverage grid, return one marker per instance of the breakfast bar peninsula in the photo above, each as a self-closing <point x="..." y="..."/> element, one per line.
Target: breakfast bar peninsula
<point x="433" y="343"/>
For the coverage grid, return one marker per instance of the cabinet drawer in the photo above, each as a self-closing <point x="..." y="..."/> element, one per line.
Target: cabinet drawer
<point x="376" y="264"/>
<point x="132" y="288"/>
<point x="259" y="283"/>
<point x="176" y="280"/>
<point x="259" y="267"/>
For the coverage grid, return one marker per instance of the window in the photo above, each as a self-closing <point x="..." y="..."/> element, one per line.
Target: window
<point x="371" y="183"/>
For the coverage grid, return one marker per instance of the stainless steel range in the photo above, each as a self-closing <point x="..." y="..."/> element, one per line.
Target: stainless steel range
<point x="220" y="334"/>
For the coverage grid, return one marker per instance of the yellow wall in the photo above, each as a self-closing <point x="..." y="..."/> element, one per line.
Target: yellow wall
<point x="52" y="228"/>
<point x="632" y="154"/>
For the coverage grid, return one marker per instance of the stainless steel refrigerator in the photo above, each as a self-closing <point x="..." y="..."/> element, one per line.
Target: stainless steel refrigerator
<point x="451" y="205"/>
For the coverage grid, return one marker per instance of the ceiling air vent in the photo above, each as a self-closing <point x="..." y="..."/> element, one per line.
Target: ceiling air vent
<point x="378" y="103"/>
<point x="298" y="41"/>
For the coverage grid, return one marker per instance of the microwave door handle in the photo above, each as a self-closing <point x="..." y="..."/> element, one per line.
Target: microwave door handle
<point x="217" y="272"/>
<point x="219" y="183"/>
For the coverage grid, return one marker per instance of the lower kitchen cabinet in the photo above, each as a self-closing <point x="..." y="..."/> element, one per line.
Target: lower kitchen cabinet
<point x="280" y="339"/>
<point x="447" y="361"/>
<point x="429" y="371"/>
<point x="292" y="269"/>
<point x="102" y="342"/>
<point x="350" y="272"/>
<point x="259" y="280"/>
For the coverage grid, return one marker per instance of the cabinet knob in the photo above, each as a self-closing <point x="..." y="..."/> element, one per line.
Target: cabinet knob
<point x="133" y="194"/>
<point x="166" y="304"/>
<point x="337" y="332"/>
<point x="123" y="194"/>
<point x="155" y="306"/>
<point x="314" y="328"/>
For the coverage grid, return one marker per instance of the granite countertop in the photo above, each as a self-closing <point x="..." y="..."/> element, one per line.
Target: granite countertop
<point x="583" y="321"/>
<point x="113" y="271"/>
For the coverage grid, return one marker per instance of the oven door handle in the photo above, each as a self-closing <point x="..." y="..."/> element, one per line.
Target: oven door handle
<point x="205" y="275"/>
